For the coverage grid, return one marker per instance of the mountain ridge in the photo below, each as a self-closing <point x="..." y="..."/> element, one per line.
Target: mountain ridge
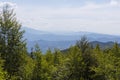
<point x="63" y="41"/>
<point x="42" y="35"/>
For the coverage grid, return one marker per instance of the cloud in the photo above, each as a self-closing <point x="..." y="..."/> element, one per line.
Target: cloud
<point x="92" y="5"/>
<point x="10" y="4"/>
<point x="91" y="16"/>
<point x="114" y="2"/>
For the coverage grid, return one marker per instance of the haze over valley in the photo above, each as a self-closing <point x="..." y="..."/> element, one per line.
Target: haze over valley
<point x="51" y="40"/>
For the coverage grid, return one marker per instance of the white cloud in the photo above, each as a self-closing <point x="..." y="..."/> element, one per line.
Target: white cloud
<point x="92" y="5"/>
<point x="93" y="17"/>
<point x="10" y="4"/>
<point x="114" y="2"/>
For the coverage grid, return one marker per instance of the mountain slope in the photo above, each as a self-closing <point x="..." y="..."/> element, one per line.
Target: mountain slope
<point x="63" y="40"/>
<point x="34" y="35"/>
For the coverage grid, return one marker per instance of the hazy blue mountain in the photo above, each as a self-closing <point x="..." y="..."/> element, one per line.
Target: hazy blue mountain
<point x="34" y="35"/>
<point x="44" y="45"/>
<point x="102" y="45"/>
<point x="63" y="45"/>
<point x="62" y="40"/>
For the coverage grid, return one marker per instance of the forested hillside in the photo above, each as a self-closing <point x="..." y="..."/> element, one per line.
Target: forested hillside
<point x="79" y="62"/>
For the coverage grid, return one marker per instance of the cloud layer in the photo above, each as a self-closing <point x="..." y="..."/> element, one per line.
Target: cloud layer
<point x="101" y="17"/>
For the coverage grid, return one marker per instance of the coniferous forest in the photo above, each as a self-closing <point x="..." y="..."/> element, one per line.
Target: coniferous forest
<point x="79" y="62"/>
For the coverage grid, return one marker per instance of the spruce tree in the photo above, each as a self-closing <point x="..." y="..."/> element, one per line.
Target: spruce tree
<point x="11" y="40"/>
<point x="3" y="74"/>
<point x="86" y="50"/>
<point x="37" y="71"/>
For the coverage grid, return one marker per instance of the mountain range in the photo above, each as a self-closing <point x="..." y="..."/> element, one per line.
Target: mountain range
<point x="63" y="40"/>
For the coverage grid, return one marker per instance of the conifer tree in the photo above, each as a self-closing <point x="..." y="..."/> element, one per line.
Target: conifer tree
<point x="3" y="74"/>
<point x="11" y="40"/>
<point x="84" y="46"/>
<point x="37" y="72"/>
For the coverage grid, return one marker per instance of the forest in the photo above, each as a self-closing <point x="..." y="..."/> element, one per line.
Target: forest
<point x="78" y="62"/>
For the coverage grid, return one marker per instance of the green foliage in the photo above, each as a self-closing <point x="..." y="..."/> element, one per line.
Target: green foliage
<point x="3" y="74"/>
<point x="79" y="62"/>
<point x="75" y="64"/>
<point x="83" y="44"/>
<point x="27" y="68"/>
<point x="38" y="66"/>
<point x="107" y="64"/>
<point x="88" y="59"/>
<point x="11" y="41"/>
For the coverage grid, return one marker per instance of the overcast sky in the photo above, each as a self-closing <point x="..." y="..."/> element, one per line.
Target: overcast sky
<point x="101" y="16"/>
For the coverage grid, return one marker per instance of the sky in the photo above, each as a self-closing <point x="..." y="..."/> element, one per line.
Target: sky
<point x="100" y="16"/>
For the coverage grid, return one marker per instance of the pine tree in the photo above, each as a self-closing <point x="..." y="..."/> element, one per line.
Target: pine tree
<point x="59" y="67"/>
<point x="75" y="64"/>
<point x="86" y="50"/>
<point x="11" y="40"/>
<point x="3" y="74"/>
<point x="27" y="68"/>
<point x="37" y="72"/>
<point x="83" y="44"/>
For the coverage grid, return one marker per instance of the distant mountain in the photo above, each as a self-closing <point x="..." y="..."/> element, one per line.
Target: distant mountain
<point x="45" y="45"/>
<point x="103" y="45"/>
<point x="63" y="45"/>
<point x="34" y="35"/>
<point x="63" y="40"/>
